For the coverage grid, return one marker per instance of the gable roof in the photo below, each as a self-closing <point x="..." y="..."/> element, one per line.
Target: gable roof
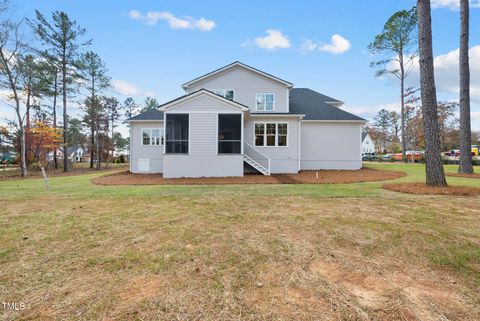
<point x="315" y="106"/>
<point x="364" y="135"/>
<point x="206" y="92"/>
<point x="232" y="65"/>
<point x="152" y="114"/>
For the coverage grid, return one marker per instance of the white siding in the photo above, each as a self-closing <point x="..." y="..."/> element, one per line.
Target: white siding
<point x="330" y="146"/>
<point x="246" y="84"/>
<point x="283" y="159"/>
<point x="140" y="154"/>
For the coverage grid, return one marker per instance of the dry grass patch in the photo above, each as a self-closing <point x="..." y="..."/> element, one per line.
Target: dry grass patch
<point x="423" y="189"/>
<point x="218" y="257"/>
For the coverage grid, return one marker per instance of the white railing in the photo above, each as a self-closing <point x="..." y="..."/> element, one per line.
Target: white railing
<point x="257" y="156"/>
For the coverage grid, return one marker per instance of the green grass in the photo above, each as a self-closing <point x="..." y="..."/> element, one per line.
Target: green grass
<point x="85" y="252"/>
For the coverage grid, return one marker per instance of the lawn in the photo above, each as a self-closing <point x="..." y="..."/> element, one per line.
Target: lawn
<point x="238" y="252"/>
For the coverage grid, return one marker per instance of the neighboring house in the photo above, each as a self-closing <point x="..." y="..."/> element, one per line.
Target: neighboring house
<point x="238" y="114"/>
<point x="8" y="156"/>
<point x="368" y="147"/>
<point x="74" y="153"/>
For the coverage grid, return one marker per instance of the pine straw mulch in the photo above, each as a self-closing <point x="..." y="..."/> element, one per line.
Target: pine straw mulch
<point x="423" y="189"/>
<point x="476" y="175"/>
<point x="304" y="177"/>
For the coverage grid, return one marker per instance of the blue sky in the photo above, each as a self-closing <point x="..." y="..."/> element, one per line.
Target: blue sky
<point x="152" y="47"/>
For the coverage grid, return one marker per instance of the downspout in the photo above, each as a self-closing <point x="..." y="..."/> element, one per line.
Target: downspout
<point x="299" y="143"/>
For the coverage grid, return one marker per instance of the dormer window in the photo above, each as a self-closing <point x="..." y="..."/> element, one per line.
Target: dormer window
<point x="226" y="93"/>
<point x="265" y="102"/>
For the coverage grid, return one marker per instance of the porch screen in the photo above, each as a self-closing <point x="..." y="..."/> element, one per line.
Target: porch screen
<point x="176" y="139"/>
<point x="229" y="133"/>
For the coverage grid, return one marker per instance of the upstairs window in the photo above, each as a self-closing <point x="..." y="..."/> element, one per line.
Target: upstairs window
<point x="229" y="133"/>
<point x="271" y="134"/>
<point x="226" y="93"/>
<point x="265" y="102"/>
<point x="176" y="134"/>
<point x="152" y="137"/>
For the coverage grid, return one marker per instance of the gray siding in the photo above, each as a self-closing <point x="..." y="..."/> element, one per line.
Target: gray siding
<point x="202" y="160"/>
<point x="246" y="84"/>
<point x="203" y="134"/>
<point x="330" y="146"/>
<point x="138" y="152"/>
<point x="203" y="104"/>
<point x="283" y="159"/>
<point x="203" y="166"/>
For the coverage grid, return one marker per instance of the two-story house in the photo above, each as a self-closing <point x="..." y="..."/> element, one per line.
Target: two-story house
<point x="239" y="115"/>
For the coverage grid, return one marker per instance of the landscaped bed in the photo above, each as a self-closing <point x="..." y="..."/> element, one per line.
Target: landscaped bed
<point x="423" y="189"/>
<point x="304" y="177"/>
<point x="476" y="175"/>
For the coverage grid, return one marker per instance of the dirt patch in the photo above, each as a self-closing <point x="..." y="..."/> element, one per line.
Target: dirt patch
<point x="304" y="177"/>
<point x="340" y="177"/>
<point x="127" y="178"/>
<point x="463" y="175"/>
<point x="423" y="189"/>
<point x="398" y="291"/>
<point x="137" y="290"/>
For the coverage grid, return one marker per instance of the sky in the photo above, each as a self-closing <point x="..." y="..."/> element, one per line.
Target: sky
<point x="152" y="47"/>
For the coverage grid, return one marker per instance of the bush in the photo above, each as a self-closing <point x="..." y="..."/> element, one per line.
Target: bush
<point x="121" y="159"/>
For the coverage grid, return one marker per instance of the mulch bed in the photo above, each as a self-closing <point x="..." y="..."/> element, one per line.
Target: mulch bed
<point x="463" y="175"/>
<point x="304" y="177"/>
<point x="36" y="174"/>
<point x="423" y="189"/>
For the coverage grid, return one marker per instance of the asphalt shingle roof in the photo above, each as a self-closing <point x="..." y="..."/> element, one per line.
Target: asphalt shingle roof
<point x="364" y="134"/>
<point x="303" y="101"/>
<point x="152" y="114"/>
<point x="314" y="106"/>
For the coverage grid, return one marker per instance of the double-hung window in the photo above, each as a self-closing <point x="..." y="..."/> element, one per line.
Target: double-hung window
<point x="271" y="134"/>
<point x="176" y="140"/>
<point x="227" y="93"/>
<point x="229" y="133"/>
<point x="265" y="102"/>
<point x="152" y="137"/>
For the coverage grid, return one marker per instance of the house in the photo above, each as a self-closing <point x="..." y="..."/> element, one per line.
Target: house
<point x="240" y="115"/>
<point x="74" y="153"/>
<point x="368" y="147"/>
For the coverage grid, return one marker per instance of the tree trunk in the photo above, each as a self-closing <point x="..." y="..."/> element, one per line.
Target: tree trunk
<point x="465" y="126"/>
<point x="433" y="162"/>
<point x="55" y="85"/>
<point x="92" y="143"/>
<point x="27" y="127"/>
<point x="402" y="107"/>
<point x="65" y="117"/>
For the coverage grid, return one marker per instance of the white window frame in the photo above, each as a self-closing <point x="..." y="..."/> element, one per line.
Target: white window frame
<point x="265" y="102"/>
<point x="162" y="136"/>
<point x="223" y="93"/>
<point x="265" y="133"/>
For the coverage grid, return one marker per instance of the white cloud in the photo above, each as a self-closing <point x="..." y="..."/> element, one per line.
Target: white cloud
<point x="308" y="45"/>
<point x="152" y="17"/>
<point x="128" y="89"/>
<point x="273" y="40"/>
<point x="338" y="45"/>
<point x="452" y="4"/>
